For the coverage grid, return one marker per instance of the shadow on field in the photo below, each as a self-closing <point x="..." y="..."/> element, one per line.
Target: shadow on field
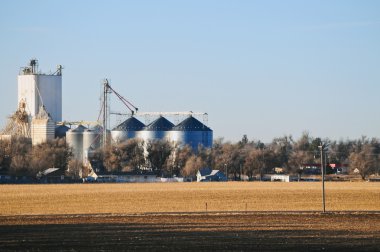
<point x="195" y="235"/>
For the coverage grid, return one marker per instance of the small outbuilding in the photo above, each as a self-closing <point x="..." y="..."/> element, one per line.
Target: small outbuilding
<point x="51" y="175"/>
<point x="207" y="174"/>
<point x="126" y="177"/>
<point x="282" y="178"/>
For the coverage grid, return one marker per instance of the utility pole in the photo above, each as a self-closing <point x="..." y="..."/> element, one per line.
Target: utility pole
<point x="263" y="164"/>
<point x="226" y="168"/>
<point x="322" y="148"/>
<point x="240" y="172"/>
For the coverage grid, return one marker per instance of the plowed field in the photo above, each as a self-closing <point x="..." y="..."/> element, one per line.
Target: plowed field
<point x="172" y="217"/>
<point x="193" y="232"/>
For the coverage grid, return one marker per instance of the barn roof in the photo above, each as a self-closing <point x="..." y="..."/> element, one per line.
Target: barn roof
<point x="205" y="171"/>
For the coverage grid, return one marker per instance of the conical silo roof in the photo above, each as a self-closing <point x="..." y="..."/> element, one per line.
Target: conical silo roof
<point x="160" y="124"/>
<point x="80" y="128"/>
<point x="131" y="124"/>
<point x="97" y="128"/>
<point x="191" y="124"/>
<point x="61" y="130"/>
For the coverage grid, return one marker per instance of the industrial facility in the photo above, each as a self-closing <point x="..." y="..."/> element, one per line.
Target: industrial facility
<point x="39" y="104"/>
<point x="39" y="117"/>
<point x="188" y="132"/>
<point x="36" y="89"/>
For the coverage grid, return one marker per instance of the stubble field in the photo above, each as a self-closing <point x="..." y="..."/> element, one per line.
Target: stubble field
<point x="239" y="216"/>
<point x="186" y="197"/>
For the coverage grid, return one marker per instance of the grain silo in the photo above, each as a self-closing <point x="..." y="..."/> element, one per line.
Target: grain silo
<point x="60" y="131"/>
<point x="74" y="138"/>
<point x="126" y="130"/>
<point x="42" y="127"/>
<point x="193" y="133"/>
<point x="37" y="89"/>
<point x="91" y="142"/>
<point x="157" y="130"/>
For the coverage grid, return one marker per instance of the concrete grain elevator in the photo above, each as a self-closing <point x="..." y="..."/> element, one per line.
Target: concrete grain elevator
<point x="36" y="89"/>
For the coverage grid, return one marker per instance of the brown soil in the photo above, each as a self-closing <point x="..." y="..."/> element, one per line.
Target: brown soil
<point x="252" y="231"/>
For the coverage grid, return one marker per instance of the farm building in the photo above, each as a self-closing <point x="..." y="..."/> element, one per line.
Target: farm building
<point x="100" y="174"/>
<point x="174" y="179"/>
<point x="207" y="174"/>
<point x="283" y="178"/>
<point x="340" y="168"/>
<point x="127" y="178"/>
<point x="51" y="175"/>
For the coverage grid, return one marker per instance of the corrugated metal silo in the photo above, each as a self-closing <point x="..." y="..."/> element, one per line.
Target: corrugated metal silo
<point x="74" y="138"/>
<point x="126" y="130"/>
<point x="157" y="130"/>
<point x="91" y="142"/>
<point x="193" y="133"/>
<point x="42" y="130"/>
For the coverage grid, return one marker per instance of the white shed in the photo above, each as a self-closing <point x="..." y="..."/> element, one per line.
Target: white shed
<point x="282" y="178"/>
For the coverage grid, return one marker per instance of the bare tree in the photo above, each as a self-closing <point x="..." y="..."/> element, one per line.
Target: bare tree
<point x="193" y="164"/>
<point x="20" y="159"/>
<point x="282" y="147"/>
<point x="55" y="153"/>
<point x="5" y="155"/>
<point x="253" y="163"/>
<point x="303" y="153"/>
<point x="365" y="159"/>
<point x="75" y="169"/>
<point x="112" y="158"/>
<point x="297" y="160"/>
<point x="176" y="162"/>
<point x="259" y="161"/>
<point x="218" y="160"/>
<point x="125" y="156"/>
<point x="231" y="159"/>
<point x="206" y="155"/>
<point x="340" y="151"/>
<point x="135" y="155"/>
<point x="158" y="153"/>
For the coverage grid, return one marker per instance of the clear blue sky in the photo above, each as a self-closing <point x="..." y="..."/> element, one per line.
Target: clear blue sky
<point x="261" y="68"/>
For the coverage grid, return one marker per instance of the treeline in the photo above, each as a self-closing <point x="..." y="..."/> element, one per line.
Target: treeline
<point x="250" y="158"/>
<point x="19" y="158"/>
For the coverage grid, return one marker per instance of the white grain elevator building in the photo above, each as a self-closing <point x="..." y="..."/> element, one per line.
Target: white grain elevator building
<point x="37" y="89"/>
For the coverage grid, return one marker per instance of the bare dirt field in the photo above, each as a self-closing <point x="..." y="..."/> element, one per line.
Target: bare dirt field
<point x="240" y="217"/>
<point x="193" y="232"/>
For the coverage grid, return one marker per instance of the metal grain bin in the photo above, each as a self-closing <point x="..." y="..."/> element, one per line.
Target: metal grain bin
<point x="91" y="142"/>
<point x="157" y="130"/>
<point x="74" y="138"/>
<point x="193" y="133"/>
<point x="126" y="130"/>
